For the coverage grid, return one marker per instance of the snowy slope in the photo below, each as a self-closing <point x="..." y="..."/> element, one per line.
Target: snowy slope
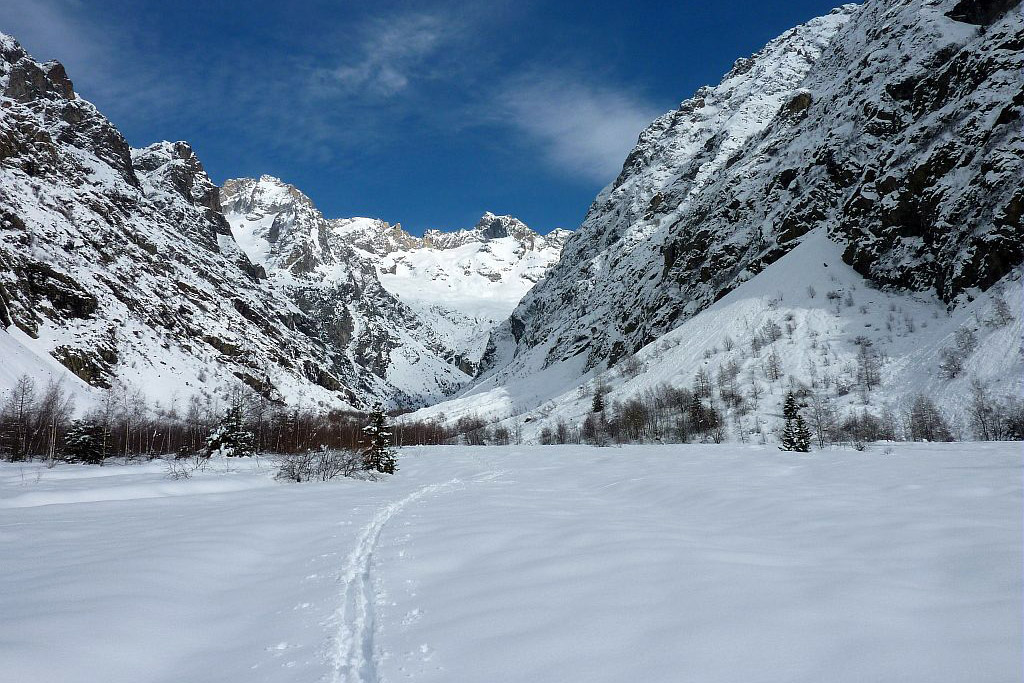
<point x="308" y="258"/>
<point x="466" y="282"/>
<point x="476" y="565"/>
<point x="143" y="273"/>
<point x="827" y="306"/>
<point x="887" y="134"/>
<point x="892" y="125"/>
<point x="458" y="284"/>
<point x="119" y="264"/>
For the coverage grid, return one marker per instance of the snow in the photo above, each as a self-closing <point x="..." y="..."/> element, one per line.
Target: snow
<point x="20" y="358"/>
<point x="821" y="328"/>
<point x="661" y="563"/>
<point x="465" y="291"/>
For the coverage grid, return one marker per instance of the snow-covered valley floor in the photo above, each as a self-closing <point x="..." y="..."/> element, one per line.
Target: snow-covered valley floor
<point x="561" y="564"/>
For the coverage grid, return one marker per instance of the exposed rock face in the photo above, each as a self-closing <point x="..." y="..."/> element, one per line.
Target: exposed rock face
<point x="373" y="236"/>
<point x="121" y="265"/>
<point x="446" y="290"/>
<point x="489" y="227"/>
<point x="894" y="125"/>
<point x="316" y="263"/>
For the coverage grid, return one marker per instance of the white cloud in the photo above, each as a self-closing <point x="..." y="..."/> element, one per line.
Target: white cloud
<point x="584" y="128"/>
<point x="391" y="53"/>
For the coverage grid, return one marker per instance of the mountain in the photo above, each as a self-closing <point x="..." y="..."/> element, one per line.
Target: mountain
<point x="891" y="130"/>
<point x="882" y="141"/>
<point x="123" y="266"/>
<point x="445" y="290"/>
<point x="468" y="281"/>
<point x="891" y="125"/>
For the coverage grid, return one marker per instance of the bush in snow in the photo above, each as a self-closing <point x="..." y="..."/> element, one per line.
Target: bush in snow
<point x="771" y="332"/>
<point x="1001" y="313"/>
<point x="869" y="366"/>
<point x="322" y="464"/>
<point x="473" y="429"/>
<point x="965" y="341"/>
<point x="502" y="435"/>
<point x="951" y="363"/>
<point x="927" y="422"/>
<point x="861" y="427"/>
<point x="631" y="367"/>
<point x="993" y="419"/>
<point x="595" y="429"/>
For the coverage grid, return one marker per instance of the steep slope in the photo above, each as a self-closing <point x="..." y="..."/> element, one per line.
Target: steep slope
<point x="810" y="315"/>
<point x="457" y="285"/>
<point x="893" y="125"/>
<point x="119" y="264"/>
<point x="426" y="305"/>
<point x="888" y="135"/>
<point x="467" y="282"/>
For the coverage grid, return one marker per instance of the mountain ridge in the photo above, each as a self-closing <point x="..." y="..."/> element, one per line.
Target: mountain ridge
<point x="121" y="265"/>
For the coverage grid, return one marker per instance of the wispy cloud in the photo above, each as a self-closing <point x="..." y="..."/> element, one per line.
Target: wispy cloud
<point x="391" y="53"/>
<point x="345" y="99"/>
<point x="582" y="127"/>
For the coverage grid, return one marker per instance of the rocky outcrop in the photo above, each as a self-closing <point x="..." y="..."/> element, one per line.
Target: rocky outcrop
<point x="489" y="227"/>
<point x="894" y="125"/>
<point x="122" y="266"/>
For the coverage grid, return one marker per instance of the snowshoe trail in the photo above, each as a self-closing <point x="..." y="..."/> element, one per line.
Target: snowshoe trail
<point x="354" y="655"/>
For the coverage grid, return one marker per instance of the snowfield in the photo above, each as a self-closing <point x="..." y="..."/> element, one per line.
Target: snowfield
<point x="644" y="563"/>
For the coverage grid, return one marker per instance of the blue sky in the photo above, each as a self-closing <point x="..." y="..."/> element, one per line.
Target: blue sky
<point x="425" y="113"/>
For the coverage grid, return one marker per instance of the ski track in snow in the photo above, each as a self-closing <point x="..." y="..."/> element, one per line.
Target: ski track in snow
<point x="354" y="656"/>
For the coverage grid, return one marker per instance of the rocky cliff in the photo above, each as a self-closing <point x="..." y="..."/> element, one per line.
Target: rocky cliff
<point x="894" y="126"/>
<point x="121" y="265"/>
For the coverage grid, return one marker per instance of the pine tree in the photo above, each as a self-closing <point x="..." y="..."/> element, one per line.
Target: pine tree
<point x="84" y="442"/>
<point x="789" y="437"/>
<point x="378" y="455"/>
<point x="795" y="435"/>
<point x="803" y="435"/>
<point x="231" y="437"/>
<point x="598" y="405"/>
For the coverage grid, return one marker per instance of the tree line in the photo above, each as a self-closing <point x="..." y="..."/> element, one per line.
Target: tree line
<point x="40" y="422"/>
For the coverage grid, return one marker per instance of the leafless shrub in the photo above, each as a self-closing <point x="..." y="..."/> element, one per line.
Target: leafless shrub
<point x="323" y="464"/>
<point x="631" y="367"/>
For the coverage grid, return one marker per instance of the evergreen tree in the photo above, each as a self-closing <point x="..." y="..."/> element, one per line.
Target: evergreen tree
<point x="378" y="455"/>
<point x="696" y="414"/>
<point x="789" y="438"/>
<point x="803" y="435"/>
<point x="598" y="405"/>
<point x="795" y="435"/>
<point x="231" y="437"/>
<point x="84" y="442"/>
<point x="790" y="409"/>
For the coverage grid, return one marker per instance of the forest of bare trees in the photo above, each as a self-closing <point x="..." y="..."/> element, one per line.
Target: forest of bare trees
<point x="40" y="422"/>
